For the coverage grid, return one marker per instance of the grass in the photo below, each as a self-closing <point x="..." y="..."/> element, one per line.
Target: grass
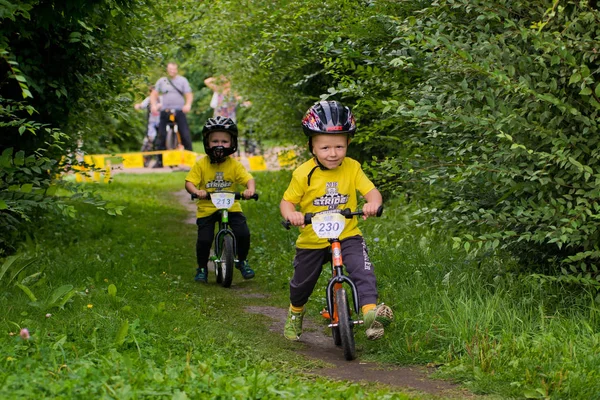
<point x="495" y="331"/>
<point x="127" y="320"/>
<point x="130" y="322"/>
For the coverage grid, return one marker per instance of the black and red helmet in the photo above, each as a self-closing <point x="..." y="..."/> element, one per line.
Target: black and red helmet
<point x="328" y="117"/>
<point x="220" y="124"/>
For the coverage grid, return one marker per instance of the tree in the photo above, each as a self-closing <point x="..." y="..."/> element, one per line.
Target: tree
<point x="65" y="70"/>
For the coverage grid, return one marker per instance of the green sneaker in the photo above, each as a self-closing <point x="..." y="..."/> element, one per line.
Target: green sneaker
<point x="293" y="325"/>
<point x="377" y="319"/>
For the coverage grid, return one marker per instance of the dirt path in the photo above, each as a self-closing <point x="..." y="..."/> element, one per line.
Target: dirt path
<point x="317" y="345"/>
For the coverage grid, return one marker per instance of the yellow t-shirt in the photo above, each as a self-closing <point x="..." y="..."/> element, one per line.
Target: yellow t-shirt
<point x="329" y="190"/>
<point x="211" y="177"/>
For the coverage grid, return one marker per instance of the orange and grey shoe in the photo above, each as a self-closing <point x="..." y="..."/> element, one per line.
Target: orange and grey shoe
<point x="376" y="320"/>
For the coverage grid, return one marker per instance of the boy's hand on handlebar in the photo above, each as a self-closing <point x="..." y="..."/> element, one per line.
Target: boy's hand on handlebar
<point x="248" y="193"/>
<point x="370" y="210"/>
<point x="201" y="194"/>
<point x="296" y="218"/>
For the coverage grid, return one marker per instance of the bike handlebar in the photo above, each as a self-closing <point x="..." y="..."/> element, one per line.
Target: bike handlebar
<point x="238" y="196"/>
<point x="346" y="212"/>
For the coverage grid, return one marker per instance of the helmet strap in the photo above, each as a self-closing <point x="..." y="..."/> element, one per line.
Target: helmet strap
<point x="319" y="166"/>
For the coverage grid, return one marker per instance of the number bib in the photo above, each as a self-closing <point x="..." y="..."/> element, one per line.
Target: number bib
<point x="328" y="225"/>
<point x="222" y="200"/>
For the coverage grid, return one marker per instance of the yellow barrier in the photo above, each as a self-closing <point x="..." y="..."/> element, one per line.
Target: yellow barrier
<point x="286" y="158"/>
<point x="133" y="160"/>
<point x="257" y="163"/>
<point x="129" y="160"/>
<point x="95" y="176"/>
<point x="169" y="158"/>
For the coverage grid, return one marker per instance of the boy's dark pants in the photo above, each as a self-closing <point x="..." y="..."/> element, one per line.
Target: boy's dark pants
<point x="206" y="234"/>
<point x="308" y="264"/>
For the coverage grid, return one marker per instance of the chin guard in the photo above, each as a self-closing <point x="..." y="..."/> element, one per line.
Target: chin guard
<point x="218" y="154"/>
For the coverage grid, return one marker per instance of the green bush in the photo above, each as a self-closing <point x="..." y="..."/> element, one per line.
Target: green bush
<point x="509" y="100"/>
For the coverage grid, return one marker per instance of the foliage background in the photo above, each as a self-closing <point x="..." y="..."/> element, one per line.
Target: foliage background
<point x="478" y="117"/>
<point x="484" y="112"/>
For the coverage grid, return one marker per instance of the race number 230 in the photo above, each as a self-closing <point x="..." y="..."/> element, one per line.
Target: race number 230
<point x="328" y="225"/>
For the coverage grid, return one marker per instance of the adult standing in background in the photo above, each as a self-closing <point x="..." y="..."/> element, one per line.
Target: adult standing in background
<point x="176" y="95"/>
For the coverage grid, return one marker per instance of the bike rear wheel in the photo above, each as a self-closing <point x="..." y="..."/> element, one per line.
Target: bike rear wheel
<point x="345" y="325"/>
<point x="227" y="260"/>
<point x="172" y="141"/>
<point x="148" y="145"/>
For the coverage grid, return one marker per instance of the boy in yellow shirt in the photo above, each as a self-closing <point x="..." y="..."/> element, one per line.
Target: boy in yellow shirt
<point x="330" y="181"/>
<point x="219" y="171"/>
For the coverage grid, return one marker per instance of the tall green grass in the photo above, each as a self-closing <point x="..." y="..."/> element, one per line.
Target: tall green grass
<point x="482" y="325"/>
<point x="126" y="319"/>
<point x="117" y="314"/>
<point x="497" y="331"/>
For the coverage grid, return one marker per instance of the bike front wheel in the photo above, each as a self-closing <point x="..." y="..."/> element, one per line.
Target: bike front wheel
<point x="218" y="271"/>
<point x="335" y="331"/>
<point x="345" y="326"/>
<point x="227" y="260"/>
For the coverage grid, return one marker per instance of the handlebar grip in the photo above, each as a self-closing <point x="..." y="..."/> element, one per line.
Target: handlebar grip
<point x="348" y="213"/>
<point x="195" y="196"/>
<point x="308" y="218"/>
<point x="239" y="196"/>
<point x="307" y="221"/>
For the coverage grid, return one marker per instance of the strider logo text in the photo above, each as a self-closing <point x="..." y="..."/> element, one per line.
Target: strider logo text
<point x="218" y="182"/>
<point x="332" y="199"/>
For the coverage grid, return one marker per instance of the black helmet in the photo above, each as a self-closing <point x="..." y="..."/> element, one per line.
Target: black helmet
<point x="220" y="124"/>
<point x="328" y="117"/>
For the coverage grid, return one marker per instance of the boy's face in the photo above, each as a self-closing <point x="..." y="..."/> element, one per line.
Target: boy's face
<point x="330" y="149"/>
<point x="219" y="139"/>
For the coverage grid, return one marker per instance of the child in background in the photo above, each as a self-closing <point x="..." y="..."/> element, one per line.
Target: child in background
<point x="330" y="181"/>
<point x="153" y="119"/>
<point x="219" y="171"/>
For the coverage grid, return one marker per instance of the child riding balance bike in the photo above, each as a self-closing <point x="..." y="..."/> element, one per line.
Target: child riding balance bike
<point x="220" y="172"/>
<point x="330" y="181"/>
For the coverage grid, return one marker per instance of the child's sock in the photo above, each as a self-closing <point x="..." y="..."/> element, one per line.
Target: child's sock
<point x="368" y="307"/>
<point x="296" y="309"/>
